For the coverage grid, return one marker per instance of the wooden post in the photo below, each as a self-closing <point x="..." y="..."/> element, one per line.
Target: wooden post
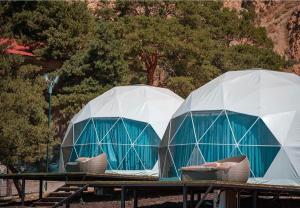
<point x="23" y="192"/>
<point x="204" y="196"/>
<point x="238" y="199"/>
<point x="230" y="198"/>
<point x="198" y="196"/>
<point x="41" y="189"/>
<point x="8" y="184"/>
<point x="254" y="199"/>
<point x="68" y="204"/>
<point x="192" y="198"/>
<point x="216" y="199"/>
<point x="135" y="199"/>
<point x="184" y="193"/>
<point x="123" y="197"/>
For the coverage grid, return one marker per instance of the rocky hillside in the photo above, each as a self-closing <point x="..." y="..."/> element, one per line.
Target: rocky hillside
<point x="281" y="19"/>
<point x="282" y="22"/>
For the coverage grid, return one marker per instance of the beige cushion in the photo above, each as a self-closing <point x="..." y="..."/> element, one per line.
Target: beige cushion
<point x="210" y="166"/>
<point x="226" y="165"/>
<point x="82" y="159"/>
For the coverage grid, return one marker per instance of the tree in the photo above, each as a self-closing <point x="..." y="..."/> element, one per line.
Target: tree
<point x="181" y="85"/>
<point x="23" y="125"/>
<point x="191" y="39"/>
<point x="91" y="71"/>
<point x="57" y="29"/>
<point x="152" y="40"/>
<point x="186" y="43"/>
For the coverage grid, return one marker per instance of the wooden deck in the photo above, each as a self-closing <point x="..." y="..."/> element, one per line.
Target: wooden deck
<point x="77" y="176"/>
<point x="139" y="184"/>
<point x="191" y="184"/>
<point x="196" y="187"/>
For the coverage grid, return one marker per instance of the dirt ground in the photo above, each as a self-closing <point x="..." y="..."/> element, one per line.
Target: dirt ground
<point x="175" y="201"/>
<point x="164" y="201"/>
<point x="30" y="187"/>
<point x="152" y="200"/>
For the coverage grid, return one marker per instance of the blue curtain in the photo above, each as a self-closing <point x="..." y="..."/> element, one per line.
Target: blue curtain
<point x="88" y="134"/>
<point x="220" y="134"/>
<point x="202" y="121"/>
<point x="73" y="155"/>
<point x="181" y="155"/>
<point x="184" y="133"/>
<point x="240" y="123"/>
<point x="216" y="152"/>
<point x="146" y="146"/>
<point x="261" y="147"/>
<point x="87" y="144"/>
<point x="78" y="127"/>
<point x="129" y="144"/>
<point x="218" y="129"/>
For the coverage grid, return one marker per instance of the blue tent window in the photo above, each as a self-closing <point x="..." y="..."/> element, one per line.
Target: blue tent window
<point x="219" y="134"/>
<point x="185" y="135"/>
<point x="129" y="144"/>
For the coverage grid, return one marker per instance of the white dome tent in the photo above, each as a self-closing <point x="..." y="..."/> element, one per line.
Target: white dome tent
<point x="252" y="112"/>
<point x="127" y="123"/>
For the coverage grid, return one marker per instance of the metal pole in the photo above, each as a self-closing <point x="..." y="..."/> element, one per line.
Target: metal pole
<point x="49" y="125"/>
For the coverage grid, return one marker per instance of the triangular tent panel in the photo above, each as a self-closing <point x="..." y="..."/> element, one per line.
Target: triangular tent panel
<point x="126" y="123"/>
<point x="260" y="117"/>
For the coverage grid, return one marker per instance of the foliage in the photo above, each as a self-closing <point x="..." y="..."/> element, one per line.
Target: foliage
<point x="91" y="71"/>
<point x="131" y="42"/>
<point x="181" y="85"/>
<point x="23" y="125"/>
<point x="59" y="28"/>
<point x="189" y="39"/>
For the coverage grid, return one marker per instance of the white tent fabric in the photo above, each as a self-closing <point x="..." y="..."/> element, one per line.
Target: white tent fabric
<point x="151" y="105"/>
<point x="272" y="96"/>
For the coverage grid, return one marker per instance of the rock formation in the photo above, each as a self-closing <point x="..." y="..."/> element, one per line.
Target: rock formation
<point x="293" y="28"/>
<point x="282" y="22"/>
<point x="237" y="5"/>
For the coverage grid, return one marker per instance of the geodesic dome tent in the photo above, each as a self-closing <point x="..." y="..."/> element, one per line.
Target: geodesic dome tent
<point x="252" y="112"/>
<point x="126" y="123"/>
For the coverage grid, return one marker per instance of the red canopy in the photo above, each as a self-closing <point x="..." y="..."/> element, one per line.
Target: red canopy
<point x="14" y="48"/>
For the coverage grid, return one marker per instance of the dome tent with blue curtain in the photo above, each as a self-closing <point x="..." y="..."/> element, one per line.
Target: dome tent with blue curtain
<point x="127" y="123"/>
<point x="251" y="112"/>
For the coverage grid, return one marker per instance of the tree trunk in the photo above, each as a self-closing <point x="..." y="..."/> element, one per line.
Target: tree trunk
<point x="16" y="182"/>
<point x="150" y="76"/>
<point x="150" y="61"/>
